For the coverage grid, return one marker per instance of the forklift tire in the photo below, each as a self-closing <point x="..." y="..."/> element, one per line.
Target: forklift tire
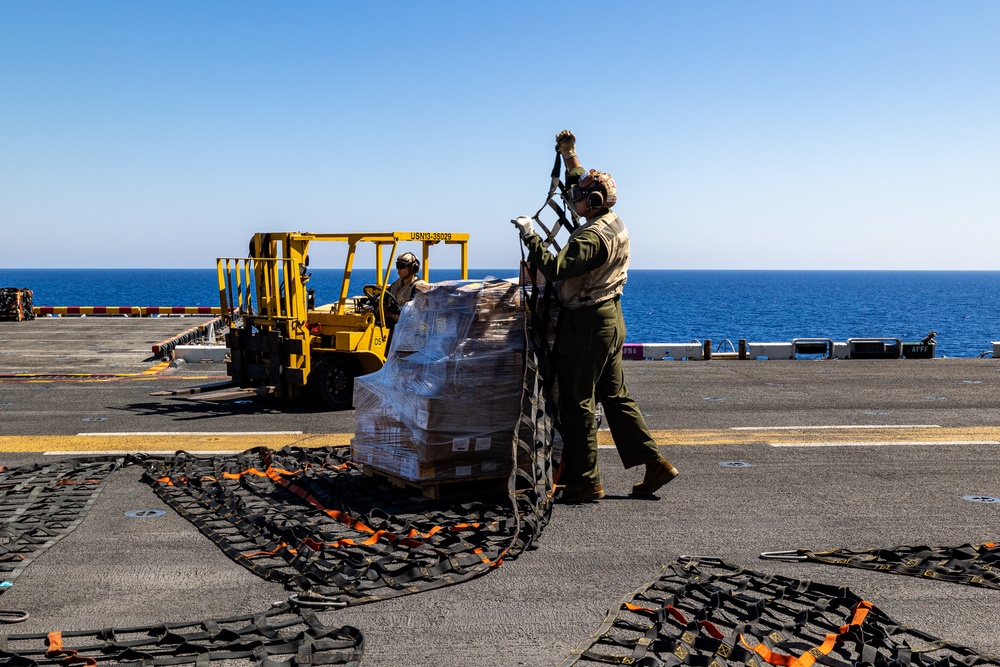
<point x="332" y="381"/>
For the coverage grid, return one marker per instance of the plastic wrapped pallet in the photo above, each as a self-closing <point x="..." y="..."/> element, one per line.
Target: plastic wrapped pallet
<point x="447" y="401"/>
<point x="16" y="304"/>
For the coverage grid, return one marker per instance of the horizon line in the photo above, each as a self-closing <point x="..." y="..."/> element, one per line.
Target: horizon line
<point x="473" y="268"/>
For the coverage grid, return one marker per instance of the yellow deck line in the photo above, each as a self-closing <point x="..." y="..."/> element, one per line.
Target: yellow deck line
<point x="145" y="376"/>
<point x="171" y="443"/>
<point x="678" y="437"/>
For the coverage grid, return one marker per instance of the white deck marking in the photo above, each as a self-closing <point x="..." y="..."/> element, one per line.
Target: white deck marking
<point x="828" y="427"/>
<point x="910" y="443"/>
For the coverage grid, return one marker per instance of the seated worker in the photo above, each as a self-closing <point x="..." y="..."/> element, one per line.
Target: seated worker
<point x="404" y="287"/>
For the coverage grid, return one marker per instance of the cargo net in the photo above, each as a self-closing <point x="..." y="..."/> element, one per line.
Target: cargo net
<point x="711" y="613"/>
<point x="311" y="520"/>
<point x="16" y="304"/>
<point x="270" y="639"/>
<point x="42" y="503"/>
<point x="308" y="518"/>
<point x="973" y="565"/>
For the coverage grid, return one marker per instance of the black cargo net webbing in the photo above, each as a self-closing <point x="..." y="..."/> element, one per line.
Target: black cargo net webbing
<point x="709" y="613"/>
<point x="532" y="482"/>
<point x="973" y="565"/>
<point x="308" y="518"/>
<point x="42" y="503"/>
<point x="276" y="638"/>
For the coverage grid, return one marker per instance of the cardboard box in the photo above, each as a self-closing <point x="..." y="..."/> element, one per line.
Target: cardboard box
<point x="408" y="465"/>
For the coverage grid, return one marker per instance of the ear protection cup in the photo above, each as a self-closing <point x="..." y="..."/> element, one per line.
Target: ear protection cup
<point x="409" y="260"/>
<point x="595" y="199"/>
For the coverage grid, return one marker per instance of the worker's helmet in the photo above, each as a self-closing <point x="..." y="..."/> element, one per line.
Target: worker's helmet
<point x="408" y="260"/>
<point x="599" y="189"/>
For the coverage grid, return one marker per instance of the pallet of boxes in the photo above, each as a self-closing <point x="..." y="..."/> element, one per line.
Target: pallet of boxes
<point x="440" y="416"/>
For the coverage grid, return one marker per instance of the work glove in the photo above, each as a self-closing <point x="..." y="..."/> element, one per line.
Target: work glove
<point x="525" y="225"/>
<point x="566" y="143"/>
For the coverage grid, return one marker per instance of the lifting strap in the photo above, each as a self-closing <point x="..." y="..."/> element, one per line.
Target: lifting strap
<point x="570" y="222"/>
<point x="709" y="613"/>
<point x="973" y="565"/>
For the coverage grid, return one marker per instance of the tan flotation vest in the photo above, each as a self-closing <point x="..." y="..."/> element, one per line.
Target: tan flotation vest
<point x="402" y="292"/>
<point x="606" y="281"/>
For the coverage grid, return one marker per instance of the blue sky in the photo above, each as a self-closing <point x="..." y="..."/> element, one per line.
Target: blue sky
<point x="750" y="135"/>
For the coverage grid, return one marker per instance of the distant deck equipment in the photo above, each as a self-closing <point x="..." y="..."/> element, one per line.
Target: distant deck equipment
<point x="797" y="348"/>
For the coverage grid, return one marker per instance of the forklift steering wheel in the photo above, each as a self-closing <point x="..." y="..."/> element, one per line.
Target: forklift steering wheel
<point x="389" y="304"/>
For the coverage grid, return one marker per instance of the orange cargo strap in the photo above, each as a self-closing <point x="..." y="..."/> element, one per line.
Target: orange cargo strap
<point x="808" y="657"/>
<point x="70" y="657"/>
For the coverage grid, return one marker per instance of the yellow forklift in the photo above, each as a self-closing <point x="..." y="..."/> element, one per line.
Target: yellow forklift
<point x="281" y="343"/>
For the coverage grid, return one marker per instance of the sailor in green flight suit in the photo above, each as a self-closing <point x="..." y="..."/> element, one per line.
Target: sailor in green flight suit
<point x="590" y="272"/>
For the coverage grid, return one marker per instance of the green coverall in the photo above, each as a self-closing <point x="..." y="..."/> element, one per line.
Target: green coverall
<point x="588" y="348"/>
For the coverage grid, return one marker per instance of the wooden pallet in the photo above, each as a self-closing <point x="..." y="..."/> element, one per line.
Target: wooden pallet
<point x="464" y="488"/>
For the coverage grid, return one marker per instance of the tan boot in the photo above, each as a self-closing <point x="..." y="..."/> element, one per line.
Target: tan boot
<point x="658" y="473"/>
<point x="586" y="493"/>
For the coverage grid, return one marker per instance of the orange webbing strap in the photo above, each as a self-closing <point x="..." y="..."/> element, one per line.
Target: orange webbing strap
<point x="54" y="644"/>
<point x="70" y="482"/>
<point x="710" y="627"/>
<point x="253" y="471"/>
<point x="278" y="475"/>
<point x="809" y="657"/>
<point x="283" y="545"/>
<point x="351" y="522"/>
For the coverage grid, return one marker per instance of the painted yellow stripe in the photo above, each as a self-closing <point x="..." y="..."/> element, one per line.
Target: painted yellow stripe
<point x="158" y="368"/>
<point x="146" y="376"/>
<point x="681" y="437"/>
<point x="170" y="443"/>
<point x="152" y="370"/>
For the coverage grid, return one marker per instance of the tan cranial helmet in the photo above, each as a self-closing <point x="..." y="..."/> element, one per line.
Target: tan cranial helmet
<point x="408" y="259"/>
<point x="599" y="189"/>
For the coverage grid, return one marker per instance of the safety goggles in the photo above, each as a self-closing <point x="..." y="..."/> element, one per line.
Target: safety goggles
<point x="575" y="193"/>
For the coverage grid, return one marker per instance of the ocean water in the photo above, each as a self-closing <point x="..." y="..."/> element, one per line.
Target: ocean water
<point x="666" y="306"/>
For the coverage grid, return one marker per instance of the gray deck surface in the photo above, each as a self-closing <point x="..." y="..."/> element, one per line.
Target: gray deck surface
<point x="534" y="610"/>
